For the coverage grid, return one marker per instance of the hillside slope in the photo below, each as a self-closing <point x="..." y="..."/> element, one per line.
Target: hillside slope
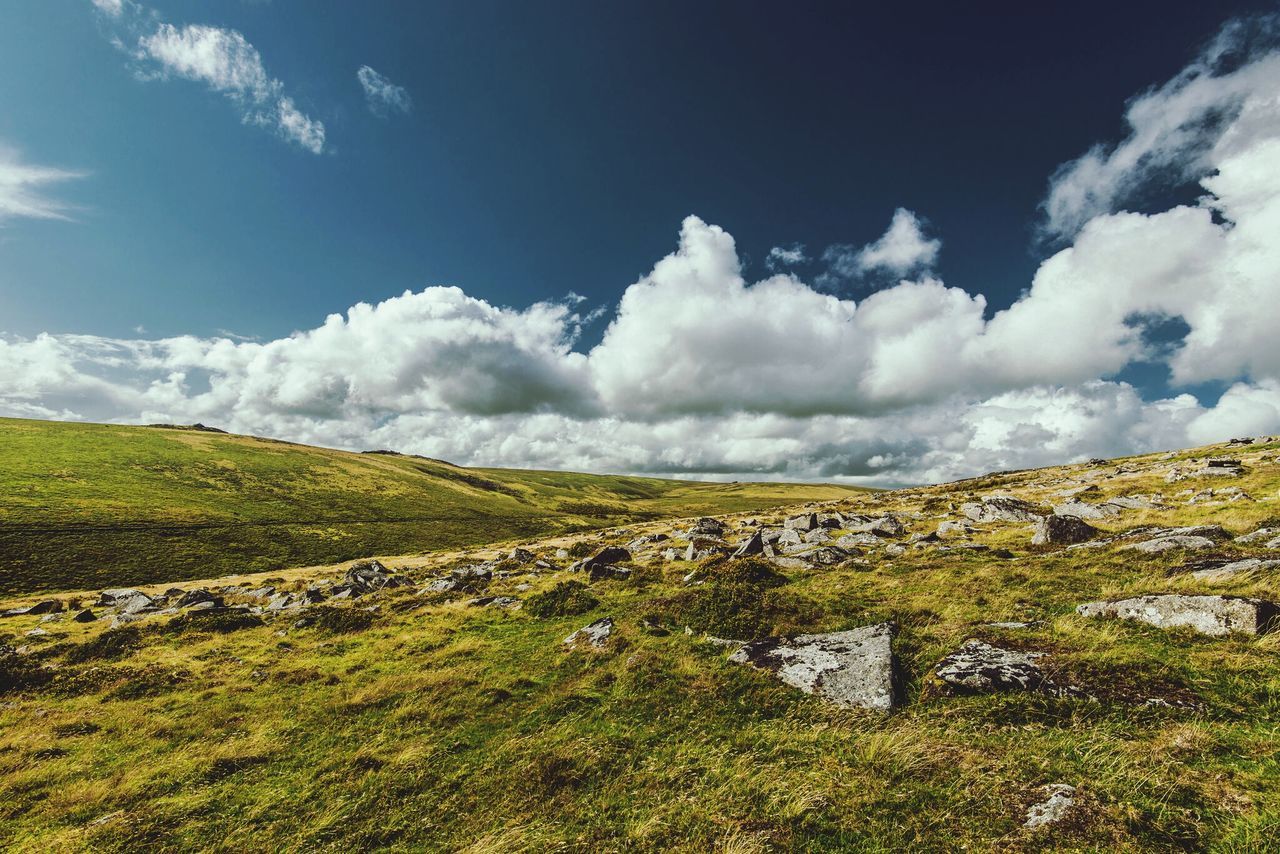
<point x="89" y="504"/>
<point x="435" y="703"/>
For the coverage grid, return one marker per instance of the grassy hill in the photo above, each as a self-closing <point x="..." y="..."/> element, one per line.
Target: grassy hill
<point x="415" y="719"/>
<point x="84" y="505"/>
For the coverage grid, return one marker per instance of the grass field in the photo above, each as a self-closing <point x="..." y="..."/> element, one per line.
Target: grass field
<point x="432" y="725"/>
<point x="84" y="505"/>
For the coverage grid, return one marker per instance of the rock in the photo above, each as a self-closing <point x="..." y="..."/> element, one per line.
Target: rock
<point x="195" y="596"/>
<point x="852" y="541"/>
<point x="493" y="602"/>
<point x="673" y="554"/>
<point x="595" y="635"/>
<point x="754" y="545"/>
<point x="118" y="596"/>
<point x="440" y="585"/>
<point x="1001" y="508"/>
<point x="368" y="576"/>
<point x="1259" y="536"/>
<point x="46" y="606"/>
<point x="607" y="572"/>
<point x="978" y="667"/>
<point x="817" y="536"/>
<point x="607" y="556"/>
<point x="885" y="526"/>
<point x="1164" y="544"/>
<point x="1059" y="802"/>
<point x="1209" y="615"/>
<point x="1085" y="510"/>
<point x="1133" y="502"/>
<point x="947" y="528"/>
<point x="708" y="526"/>
<point x="1055" y="530"/>
<point x="85" y="616"/>
<point x="520" y="555"/>
<point x="1227" y="571"/>
<point x="789" y="537"/>
<point x="802" y="523"/>
<point x="827" y="556"/>
<point x="895" y="550"/>
<point x="852" y="669"/>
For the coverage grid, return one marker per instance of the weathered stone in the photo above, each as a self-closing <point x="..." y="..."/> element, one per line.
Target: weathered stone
<point x="947" y="528"/>
<point x="817" y="536"/>
<point x="1054" y="530"/>
<point x="594" y="635"/>
<point x="194" y="596"/>
<point x="1001" y="508"/>
<point x="1058" y="803"/>
<point x="1209" y="615"/>
<point x="608" y="556"/>
<point x="978" y="667"/>
<point x="802" y="523"/>
<point x="708" y="526"/>
<point x="368" y="576"/>
<point x="1085" y="510"/>
<point x="1168" y="543"/>
<point x="493" y="602"/>
<point x="520" y="555"/>
<point x="1259" y="536"/>
<point x="603" y="572"/>
<point x="754" y="545"/>
<point x="852" y="669"/>
<point x="1227" y="571"/>
<point x="85" y="616"/>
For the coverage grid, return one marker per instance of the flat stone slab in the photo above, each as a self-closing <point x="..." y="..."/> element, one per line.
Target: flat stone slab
<point x="1001" y="508"/>
<point x="980" y="668"/>
<point x="853" y="669"/>
<point x="1209" y="615"/>
<point x="595" y="635"/>
<point x="1164" y="544"/>
<point x="1059" y="803"/>
<point x="1228" y="571"/>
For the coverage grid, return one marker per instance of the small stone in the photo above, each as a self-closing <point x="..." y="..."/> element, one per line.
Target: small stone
<point x="978" y="667"/>
<point x="1059" y="802"/>
<point x="595" y="635"/>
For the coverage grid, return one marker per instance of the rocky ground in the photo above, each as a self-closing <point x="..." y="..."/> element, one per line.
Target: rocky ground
<point x="1078" y="657"/>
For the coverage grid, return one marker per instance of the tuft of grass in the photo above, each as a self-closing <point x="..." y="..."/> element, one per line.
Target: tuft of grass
<point x="108" y="646"/>
<point x="327" y="618"/>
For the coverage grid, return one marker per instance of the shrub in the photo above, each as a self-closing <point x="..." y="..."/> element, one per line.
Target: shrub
<point x="581" y="549"/>
<point x="566" y="599"/>
<point x="740" y="599"/>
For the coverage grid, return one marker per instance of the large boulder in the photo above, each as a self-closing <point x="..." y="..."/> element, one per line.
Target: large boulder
<point x="1001" y="508"/>
<point x="980" y="668"/>
<point x="802" y="523"/>
<point x="1065" y="530"/>
<point x="608" y="556"/>
<point x="853" y="669"/>
<point x="1209" y="615"/>
<point x="753" y="545"/>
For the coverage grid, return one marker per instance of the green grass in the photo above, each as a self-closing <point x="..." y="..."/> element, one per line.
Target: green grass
<point x="90" y="505"/>
<point x="430" y="725"/>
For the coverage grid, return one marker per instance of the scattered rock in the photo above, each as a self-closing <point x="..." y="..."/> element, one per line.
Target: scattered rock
<point x="1227" y="571"/>
<point x="1209" y="615"/>
<point x="1054" y="529"/>
<point x="708" y="526"/>
<point x="1085" y="510"/>
<point x="520" y="555"/>
<point x="595" y="635"/>
<point x="852" y="669"/>
<point x="1167" y="543"/>
<point x="85" y="616"/>
<point x="754" y="545"/>
<point x="802" y="523"/>
<point x="978" y="667"/>
<point x="493" y="602"/>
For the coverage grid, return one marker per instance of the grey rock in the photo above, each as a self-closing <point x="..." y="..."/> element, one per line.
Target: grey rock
<point x="608" y="556"/>
<point x="195" y="596"/>
<point x="1133" y="502"/>
<point x="802" y="523"/>
<point x="753" y="545"/>
<point x="1261" y="535"/>
<point x="85" y="616"/>
<point x="609" y="572"/>
<point x="1209" y="615"/>
<point x="978" y="667"/>
<point x="520" y="555"/>
<point x="817" y="536"/>
<point x="853" y="541"/>
<point x="947" y="528"/>
<point x="1085" y="510"/>
<point x="118" y="596"/>
<point x="493" y="602"/>
<point x="1168" y="543"/>
<point x="594" y="635"/>
<point x="1227" y="571"/>
<point x="708" y="526"/>
<point x="852" y="669"/>
<point x="1058" y="803"/>
<point x="1062" y="530"/>
<point x="1001" y="508"/>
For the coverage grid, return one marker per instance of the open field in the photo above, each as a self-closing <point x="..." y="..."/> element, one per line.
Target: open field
<point x="96" y="504"/>
<point x="412" y="720"/>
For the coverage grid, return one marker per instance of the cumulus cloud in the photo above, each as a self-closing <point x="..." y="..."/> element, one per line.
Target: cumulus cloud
<point x="701" y="372"/>
<point x="902" y="250"/>
<point x="24" y="188"/>
<point x="221" y="58"/>
<point x="381" y="94"/>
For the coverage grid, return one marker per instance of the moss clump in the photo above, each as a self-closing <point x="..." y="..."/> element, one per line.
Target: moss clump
<point x="217" y="621"/>
<point x="739" y="599"/>
<point x="566" y="599"/>
<point x="581" y="549"/>
<point x="111" y="644"/>
<point x="337" y="620"/>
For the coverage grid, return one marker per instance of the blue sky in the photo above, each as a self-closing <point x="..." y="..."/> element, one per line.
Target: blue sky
<point x="533" y="151"/>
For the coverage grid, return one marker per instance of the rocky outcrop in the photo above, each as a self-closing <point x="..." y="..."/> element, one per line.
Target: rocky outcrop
<point x="1002" y="508"/>
<point x="1062" y="530"/>
<point x="852" y="669"/>
<point x="1059" y="801"/>
<point x="980" y="668"/>
<point x="1209" y="615"/>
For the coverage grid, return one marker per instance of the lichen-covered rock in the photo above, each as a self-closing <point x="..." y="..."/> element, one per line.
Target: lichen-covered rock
<point x="595" y="635"/>
<point x="802" y="523"/>
<point x="980" y="668"/>
<point x="753" y="545"/>
<point x="1209" y="615"/>
<point x="1002" y="508"/>
<point x="852" y="669"/>
<point x="1054" y="529"/>
<point x="1085" y="510"/>
<point x="1228" y="570"/>
<point x="1059" y="802"/>
<point x="1168" y="543"/>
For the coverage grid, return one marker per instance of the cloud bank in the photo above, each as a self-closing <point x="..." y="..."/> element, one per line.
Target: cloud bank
<point x="701" y="372"/>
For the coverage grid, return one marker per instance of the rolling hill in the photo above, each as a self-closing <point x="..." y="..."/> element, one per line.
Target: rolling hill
<point x="89" y="504"/>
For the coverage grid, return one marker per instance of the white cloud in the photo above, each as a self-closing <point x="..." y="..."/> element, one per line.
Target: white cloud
<point x="381" y="94"/>
<point x="221" y="58"/>
<point x="24" y="188"/>
<point x="1220" y="103"/>
<point x="901" y="251"/>
<point x="780" y="257"/>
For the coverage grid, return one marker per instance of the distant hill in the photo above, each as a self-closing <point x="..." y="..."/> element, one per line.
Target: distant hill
<point x="85" y="505"/>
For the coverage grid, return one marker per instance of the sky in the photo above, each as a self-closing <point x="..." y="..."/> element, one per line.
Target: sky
<point x="713" y="240"/>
